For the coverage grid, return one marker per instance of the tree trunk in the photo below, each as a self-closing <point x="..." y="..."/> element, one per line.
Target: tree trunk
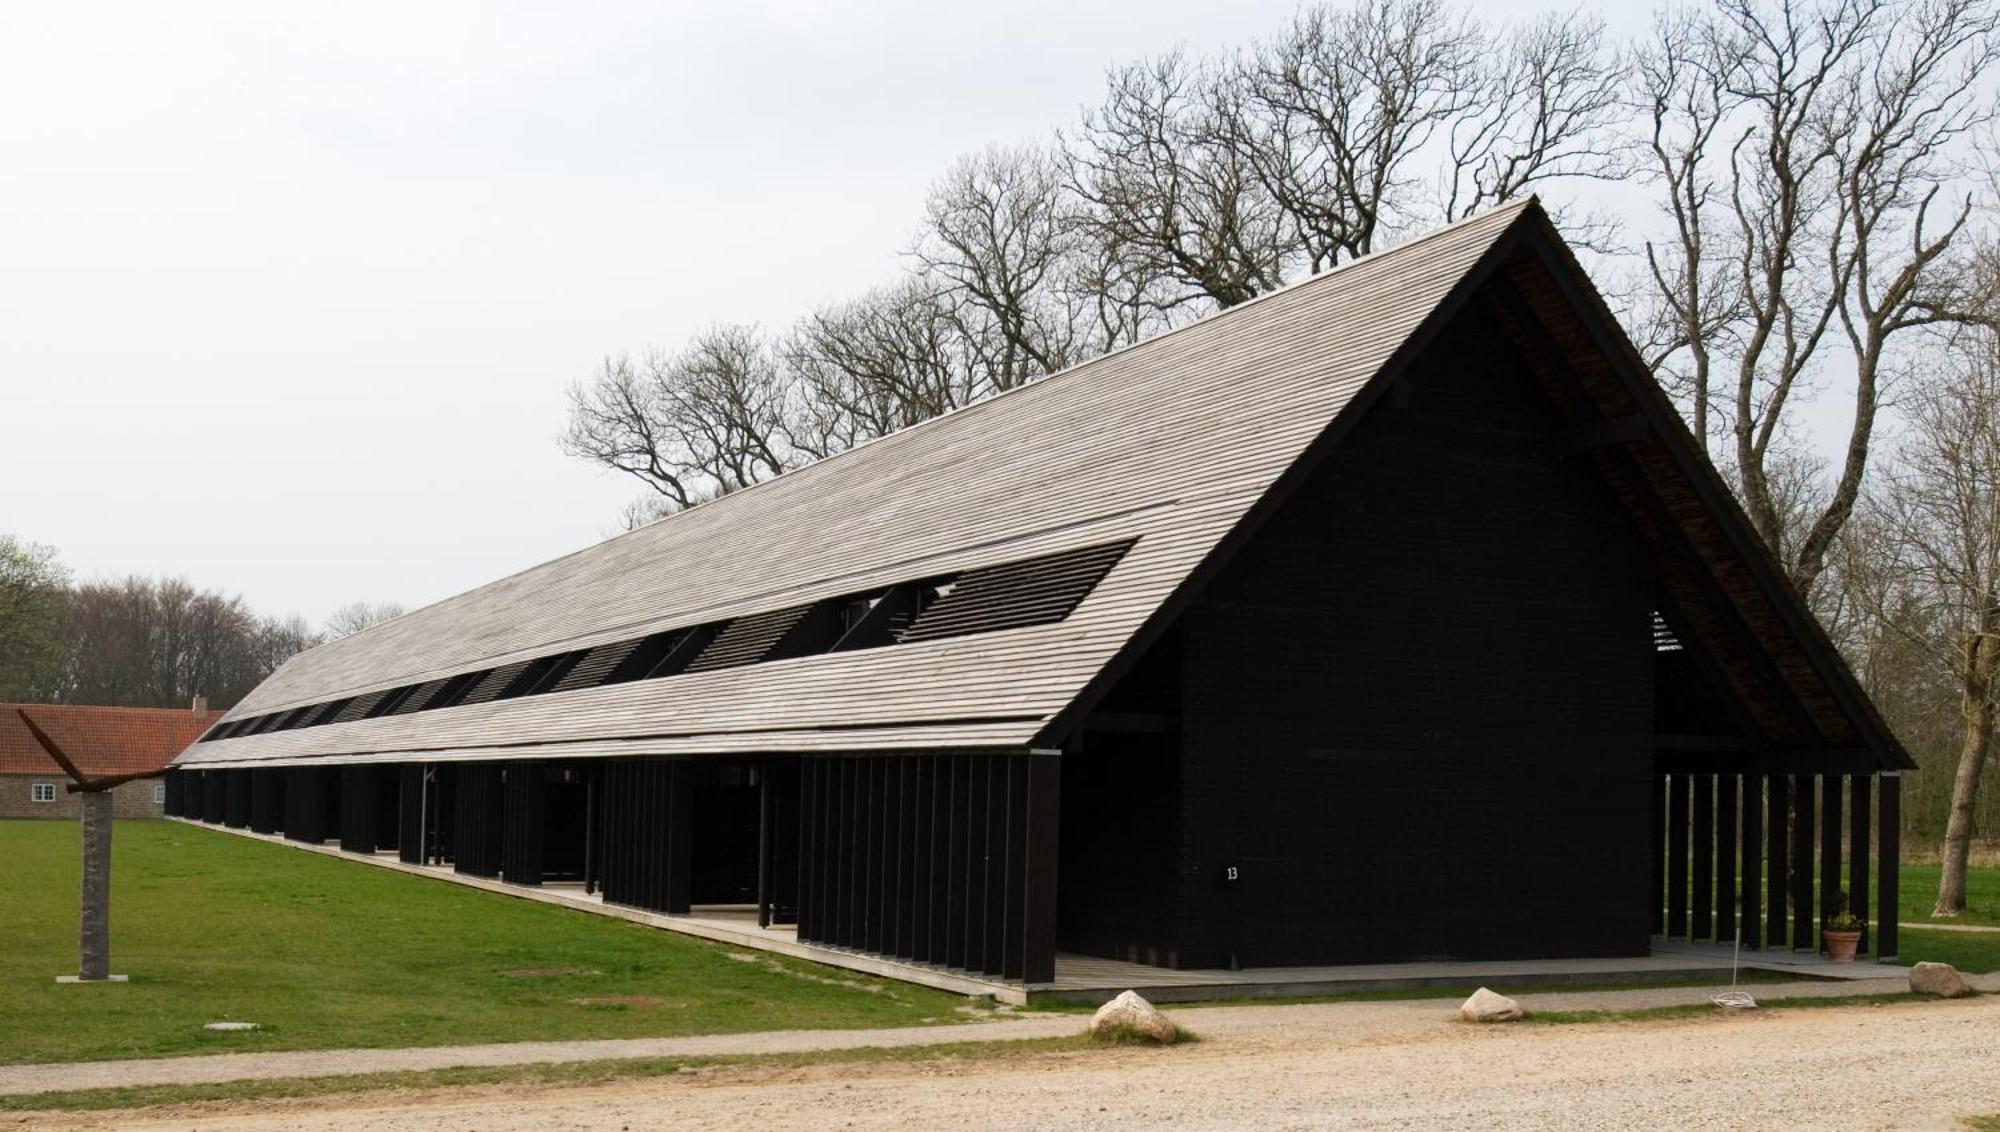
<point x="1978" y="708"/>
<point x="94" y="938"/>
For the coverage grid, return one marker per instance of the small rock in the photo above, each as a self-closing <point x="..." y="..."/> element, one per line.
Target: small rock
<point x="1940" y="979"/>
<point x="1130" y="1012"/>
<point x="1485" y="1006"/>
<point x="230" y="1026"/>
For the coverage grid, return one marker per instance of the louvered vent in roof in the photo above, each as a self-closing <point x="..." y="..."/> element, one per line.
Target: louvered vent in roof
<point x="421" y="698"/>
<point x="360" y="706"/>
<point x="746" y="639"/>
<point x="1664" y="639"/>
<point x="597" y="665"/>
<point x="495" y="682"/>
<point x="1014" y="594"/>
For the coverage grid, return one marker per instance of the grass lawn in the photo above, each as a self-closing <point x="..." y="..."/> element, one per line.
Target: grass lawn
<point x="323" y="953"/>
<point x="1918" y="894"/>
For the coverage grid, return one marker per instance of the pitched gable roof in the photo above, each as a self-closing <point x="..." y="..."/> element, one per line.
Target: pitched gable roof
<point x="1162" y="449"/>
<point x="102" y="741"/>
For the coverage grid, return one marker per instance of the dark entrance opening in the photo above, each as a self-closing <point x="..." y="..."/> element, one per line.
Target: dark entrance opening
<point x="565" y="822"/>
<point x="725" y="818"/>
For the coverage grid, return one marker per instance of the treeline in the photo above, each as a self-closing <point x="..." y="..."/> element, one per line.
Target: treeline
<point x="136" y="641"/>
<point x="1786" y="201"/>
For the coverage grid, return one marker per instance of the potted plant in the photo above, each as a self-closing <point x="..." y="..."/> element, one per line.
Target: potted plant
<point x="1841" y="934"/>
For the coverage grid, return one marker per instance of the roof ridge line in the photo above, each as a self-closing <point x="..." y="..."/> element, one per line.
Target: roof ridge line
<point x="1520" y="205"/>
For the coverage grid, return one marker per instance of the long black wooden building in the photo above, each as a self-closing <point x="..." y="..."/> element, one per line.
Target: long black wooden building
<point x="1394" y="615"/>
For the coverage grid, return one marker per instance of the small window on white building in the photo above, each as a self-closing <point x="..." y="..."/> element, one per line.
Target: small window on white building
<point x="42" y="792"/>
<point x="159" y="793"/>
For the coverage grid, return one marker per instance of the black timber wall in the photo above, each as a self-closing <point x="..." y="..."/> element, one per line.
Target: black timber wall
<point x="1416" y="703"/>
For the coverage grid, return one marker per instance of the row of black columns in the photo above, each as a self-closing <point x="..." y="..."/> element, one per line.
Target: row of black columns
<point x="1735" y="853"/>
<point x="946" y="860"/>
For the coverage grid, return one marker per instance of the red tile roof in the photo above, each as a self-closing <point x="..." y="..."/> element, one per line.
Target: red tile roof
<point x="101" y="741"/>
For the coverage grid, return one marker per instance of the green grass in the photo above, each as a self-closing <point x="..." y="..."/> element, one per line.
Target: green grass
<point x="1983" y="1123"/>
<point x="322" y="953"/>
<point x="560" y="1074"/>
<point x="1973" y="953"/>
<point x="1916" y="895"/>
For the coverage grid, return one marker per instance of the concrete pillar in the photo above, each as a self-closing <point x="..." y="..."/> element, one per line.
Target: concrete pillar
<point x="94" y="938"/>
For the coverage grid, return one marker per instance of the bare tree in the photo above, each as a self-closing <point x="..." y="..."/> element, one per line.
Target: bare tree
<point x="1000" y="241"/>
<point x="1800" y="147"/>
<point x="1940" y="509"/>
<point x="880" y="363"/>
<point x="1171" y="194"/>
<point x="707" y="420"/>
<point x="1339" y="107"/>
<point x="355" y="616"/>
<point x="141" y="642"/>
<point x="1542" y="109"/>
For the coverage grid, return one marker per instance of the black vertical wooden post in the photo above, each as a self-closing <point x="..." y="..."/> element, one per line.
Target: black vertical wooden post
<point x="1013" y="904"/>
<point x="1725" y="858"/>
<point x="476" y="826"/>
<point x="996" y="864"/>
<point x="357" y="809"/>
<point x="1678" y="797"/>
<point x="236" y="808"/>
<point x="1802" y="863"/>
<point x="943" y="767"/>
<point x="765" y="834"/>
<point x="1888" y="858"/>
<point x="1659" y="846"/>
<point x="1753" y="860"/>
<point x="1044" y="806"/>
<point x="973" y="863"/>
<point x="523" y="818"/>
<point x="1829" y="845"/>
<point x="1703" y="844"/>
<point x="808" y="847"/>
<point x="1778" y="794"/>
<point x="923" y="811"/>
<point x="410" y="830"/>
<point x="214" y="795"/>
<point x="1859" y="813"/>
<point x="906" y="851"/>
<point x="680" y="837"/>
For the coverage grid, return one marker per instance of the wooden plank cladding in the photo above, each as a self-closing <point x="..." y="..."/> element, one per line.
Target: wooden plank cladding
<point x="645" y="838"/>
<point x="1757" y="831"/>
<point x="939" y="859"/>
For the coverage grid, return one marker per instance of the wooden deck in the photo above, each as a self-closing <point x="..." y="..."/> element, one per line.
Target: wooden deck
<point x="1089" y="979"/>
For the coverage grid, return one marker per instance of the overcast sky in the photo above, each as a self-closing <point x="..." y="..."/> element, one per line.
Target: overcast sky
<point x="289" y="297"/>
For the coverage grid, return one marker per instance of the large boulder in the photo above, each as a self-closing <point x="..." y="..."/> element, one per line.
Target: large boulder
<point x="1486" y="1006"/>
<point x="1940" y="979"/>
<point x="1128" y="1014"/>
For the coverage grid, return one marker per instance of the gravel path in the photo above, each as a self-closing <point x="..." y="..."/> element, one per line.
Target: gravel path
<point x="1385" y="1064"/>
<point x="212" y="1068"/>
<point x="1360" y="1065"/>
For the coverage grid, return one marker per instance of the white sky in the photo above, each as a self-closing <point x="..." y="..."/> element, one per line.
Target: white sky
<point x="289" y="297"/>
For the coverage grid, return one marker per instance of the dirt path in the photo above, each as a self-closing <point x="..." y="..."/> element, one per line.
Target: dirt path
<point x="1374" y="1065"/>
<point x="211" y="1068"/>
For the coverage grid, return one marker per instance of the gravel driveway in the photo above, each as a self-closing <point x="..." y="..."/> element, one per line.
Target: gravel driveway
<point x="1377" y="1065"/>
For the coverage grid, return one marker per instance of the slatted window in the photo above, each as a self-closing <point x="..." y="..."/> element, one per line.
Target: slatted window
<point x="361" y="706"/>
<point x="420" y="697"/>
<point x="597" y="665"/>
<point x="1014" y="594"/>
<point x="746" y="640"/>
<point x="495" y="682"/>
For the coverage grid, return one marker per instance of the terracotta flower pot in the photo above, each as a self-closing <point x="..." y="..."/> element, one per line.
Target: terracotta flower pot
<point x="1840" y="946"/>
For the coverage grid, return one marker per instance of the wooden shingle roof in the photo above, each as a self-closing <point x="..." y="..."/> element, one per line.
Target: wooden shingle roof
<point x="1160" y="450"/>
